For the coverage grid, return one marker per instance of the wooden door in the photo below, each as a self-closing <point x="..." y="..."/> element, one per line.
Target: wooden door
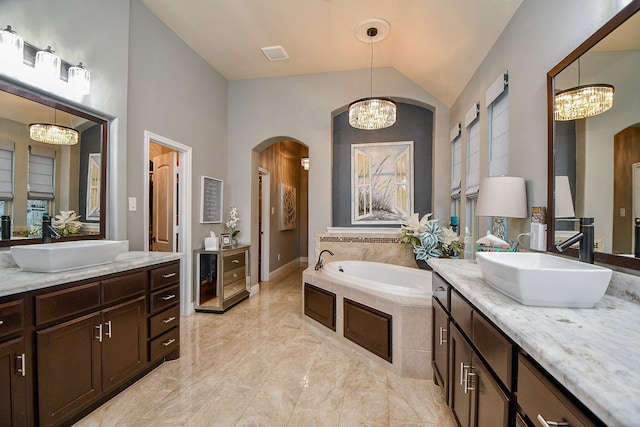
<point x="69" y="376"/>
<point x="163" y="209"/>
<point x="13" y="384"/>
<point x="459" y="365"/>
<point x="124" y="350"/>
<point x="440" y="345"/>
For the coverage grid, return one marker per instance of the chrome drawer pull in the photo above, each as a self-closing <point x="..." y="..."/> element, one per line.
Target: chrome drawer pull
<point x="99" y="328"/>
<point x="169" y="342"/>
<point x="1" y="322"/>
<point x="545" y="423"/>
<point x="235" y="275"/>
<point x="467" y="380"/>
<point x="166" y="276"/>
<point x="168" y="297"/>
<point x="442" y="332"/>
<point x="235" y="261"/>
<point x="462" y="369"/>
<point x="22" y="369"/>
<point x="440" y="289"/>
<point x="108" y="325"/>
<point x="169" y="319"/>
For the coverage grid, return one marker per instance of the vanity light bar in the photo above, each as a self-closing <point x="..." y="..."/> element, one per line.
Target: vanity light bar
<point x="77" y="76"/>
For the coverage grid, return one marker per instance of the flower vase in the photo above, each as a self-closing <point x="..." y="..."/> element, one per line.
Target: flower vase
<point x="234" y="242"/>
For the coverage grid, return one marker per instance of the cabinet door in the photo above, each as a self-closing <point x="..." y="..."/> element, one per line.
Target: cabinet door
<point x="68" y="367"/>
<point x="124" y="341"/>
<point x="459" y="367"/>
<point x="490" y="403"/>
<point x="13" y="383"/>
<point x="440" y="344"/>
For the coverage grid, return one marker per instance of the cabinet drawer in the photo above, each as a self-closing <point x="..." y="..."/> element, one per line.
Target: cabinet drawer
<point x="440" y="291"/>
<point x="163" y="276"/>
<point x="164" y="344"/>
<point x="495" y="348"/>
<point x="234" y="275"/>
<point x="461" y="312"/>
<point x="234" y="261"/>
<point x="11" y="317"/>
<point x="123" y="287"/>
<point x="164" y="321"/>
<point x="538" y="396"/>
<point x="165" y="298"/>
<point x="66" y="302"/>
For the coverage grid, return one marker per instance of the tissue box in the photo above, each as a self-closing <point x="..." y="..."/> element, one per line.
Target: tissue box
<point x="513" y="247"/>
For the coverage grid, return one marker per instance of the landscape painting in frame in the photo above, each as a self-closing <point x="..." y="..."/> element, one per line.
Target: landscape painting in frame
<point x="381" y="182"/>
<point x="287" y="207"/>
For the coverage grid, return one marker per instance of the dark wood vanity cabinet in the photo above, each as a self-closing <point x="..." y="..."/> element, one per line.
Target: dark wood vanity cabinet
<point x="164" y="312"/>
<point x="14" y="360"/>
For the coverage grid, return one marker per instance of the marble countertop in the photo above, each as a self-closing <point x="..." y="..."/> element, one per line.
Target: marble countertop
<point x="13" y="280"/>
<point x="594" y="353"/>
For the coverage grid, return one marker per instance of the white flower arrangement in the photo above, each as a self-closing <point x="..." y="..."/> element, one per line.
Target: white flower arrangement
<point x="66" y="223"/>
<point x="232" y="222"/>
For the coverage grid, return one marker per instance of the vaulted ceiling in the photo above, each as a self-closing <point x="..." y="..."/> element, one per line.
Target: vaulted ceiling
<point x="438" y="44"/>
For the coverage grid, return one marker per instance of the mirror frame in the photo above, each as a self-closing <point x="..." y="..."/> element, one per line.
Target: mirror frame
<point x="104" y="123"/>
<point x="604" y="258"/>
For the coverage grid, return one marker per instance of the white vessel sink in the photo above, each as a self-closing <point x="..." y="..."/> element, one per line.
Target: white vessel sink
<point x="544" y="280"/>
<point x="55" y="257"/>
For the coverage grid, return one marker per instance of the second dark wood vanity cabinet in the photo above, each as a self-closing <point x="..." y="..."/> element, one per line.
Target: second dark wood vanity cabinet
<point x="14" y="360"/>
<point x="164" y="312"/>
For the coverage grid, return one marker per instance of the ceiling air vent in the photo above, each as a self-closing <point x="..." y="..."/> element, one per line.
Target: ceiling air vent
<point x="275" y="53"/>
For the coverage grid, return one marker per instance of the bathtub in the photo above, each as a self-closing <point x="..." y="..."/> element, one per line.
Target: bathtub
<point x="386" y="278"/>
<point x="397" y="299"/>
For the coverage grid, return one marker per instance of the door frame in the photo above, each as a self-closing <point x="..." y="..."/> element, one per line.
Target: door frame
<point x="183" y="210"/>
<point x="266" y="224"/>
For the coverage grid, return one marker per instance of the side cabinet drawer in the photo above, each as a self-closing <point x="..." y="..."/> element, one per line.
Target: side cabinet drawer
<point x="163" y="276"/>
<point x="234" y="275"/>
<point x="67" y="302"/>
<point x="164" y="321"/>
<point x="461" y="313"/>
<point x="124" y="286"/>
<point x="164" y="344"/>
<point x="495" y="348"/>
<point x="164" y="298"/>
<point x="537" y="396"/>
<point x="11" y="317"/>
<point x="234" y="261"/>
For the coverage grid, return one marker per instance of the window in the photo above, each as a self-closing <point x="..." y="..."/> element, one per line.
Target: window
<point x="6" y="177"/>
<point x="456" y="169"/>
<point x="40" y="184"/>
<point x="498" y="113"/>
<point x="472" y="124"/>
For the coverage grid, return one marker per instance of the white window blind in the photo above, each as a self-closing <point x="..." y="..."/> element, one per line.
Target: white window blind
<point x="473" y="158"/>
<point x="498" y="110"/>
<point x="41" y="166"/>
<point x="6" y="170"/>
<point x="456" y="160"/>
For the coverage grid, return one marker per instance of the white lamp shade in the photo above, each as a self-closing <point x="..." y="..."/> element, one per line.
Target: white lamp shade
<point x="80" y="79"/>
<point x="502" y="196"/>
<point x="563" y="199"/>
<point x="11" y="47"/>
<point x="48" y="64"/>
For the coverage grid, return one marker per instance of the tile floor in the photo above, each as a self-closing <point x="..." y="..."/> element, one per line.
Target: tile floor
<point x="261" y="364"/>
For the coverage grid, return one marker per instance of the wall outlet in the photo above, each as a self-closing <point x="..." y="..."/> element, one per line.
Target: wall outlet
<point x="623" y="212"/>
<point x="273" y="210"/>
<point x="132" y="204"/>
<point x="278" y="257"/>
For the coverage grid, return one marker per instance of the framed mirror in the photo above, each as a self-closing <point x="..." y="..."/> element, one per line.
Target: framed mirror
<point x="40" y="174"/>
<point x="594" y="162"/>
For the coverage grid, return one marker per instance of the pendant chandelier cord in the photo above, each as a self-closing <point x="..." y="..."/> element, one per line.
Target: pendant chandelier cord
<point x="371" y="67"/>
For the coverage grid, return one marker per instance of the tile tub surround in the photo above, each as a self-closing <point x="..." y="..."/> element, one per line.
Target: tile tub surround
<point x="14" y="281"/>
<point x="260" y="364"/>
<point x="364" y="246"/>
<point x="411" y="324"/>
<point x="593" y="352"/>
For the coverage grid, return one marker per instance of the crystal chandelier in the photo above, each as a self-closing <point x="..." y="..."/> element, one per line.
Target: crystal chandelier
<point x="53" y="134"/>
<point x="582" y="101"/>
<point x="372" y="113"/>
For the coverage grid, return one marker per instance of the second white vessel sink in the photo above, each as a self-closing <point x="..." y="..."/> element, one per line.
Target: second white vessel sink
<point x="56" y="257"/>
<point x="544" y="280"/>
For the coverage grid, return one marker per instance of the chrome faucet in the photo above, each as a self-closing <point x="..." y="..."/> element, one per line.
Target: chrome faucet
<point x="586" y="239"/>
<point x="47" y="230"/>
<point x="319" y="264"/>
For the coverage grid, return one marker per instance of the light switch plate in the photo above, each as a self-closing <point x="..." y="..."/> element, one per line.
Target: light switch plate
<point x="132" y="204"/>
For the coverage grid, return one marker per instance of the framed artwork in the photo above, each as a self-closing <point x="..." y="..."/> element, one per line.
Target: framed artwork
<point x="287" y="207"/>
<point x="225" y="240"/>
<point x="210" y="200"/>
<point x="381" y="182"/>
<point x="93" y="188"/>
